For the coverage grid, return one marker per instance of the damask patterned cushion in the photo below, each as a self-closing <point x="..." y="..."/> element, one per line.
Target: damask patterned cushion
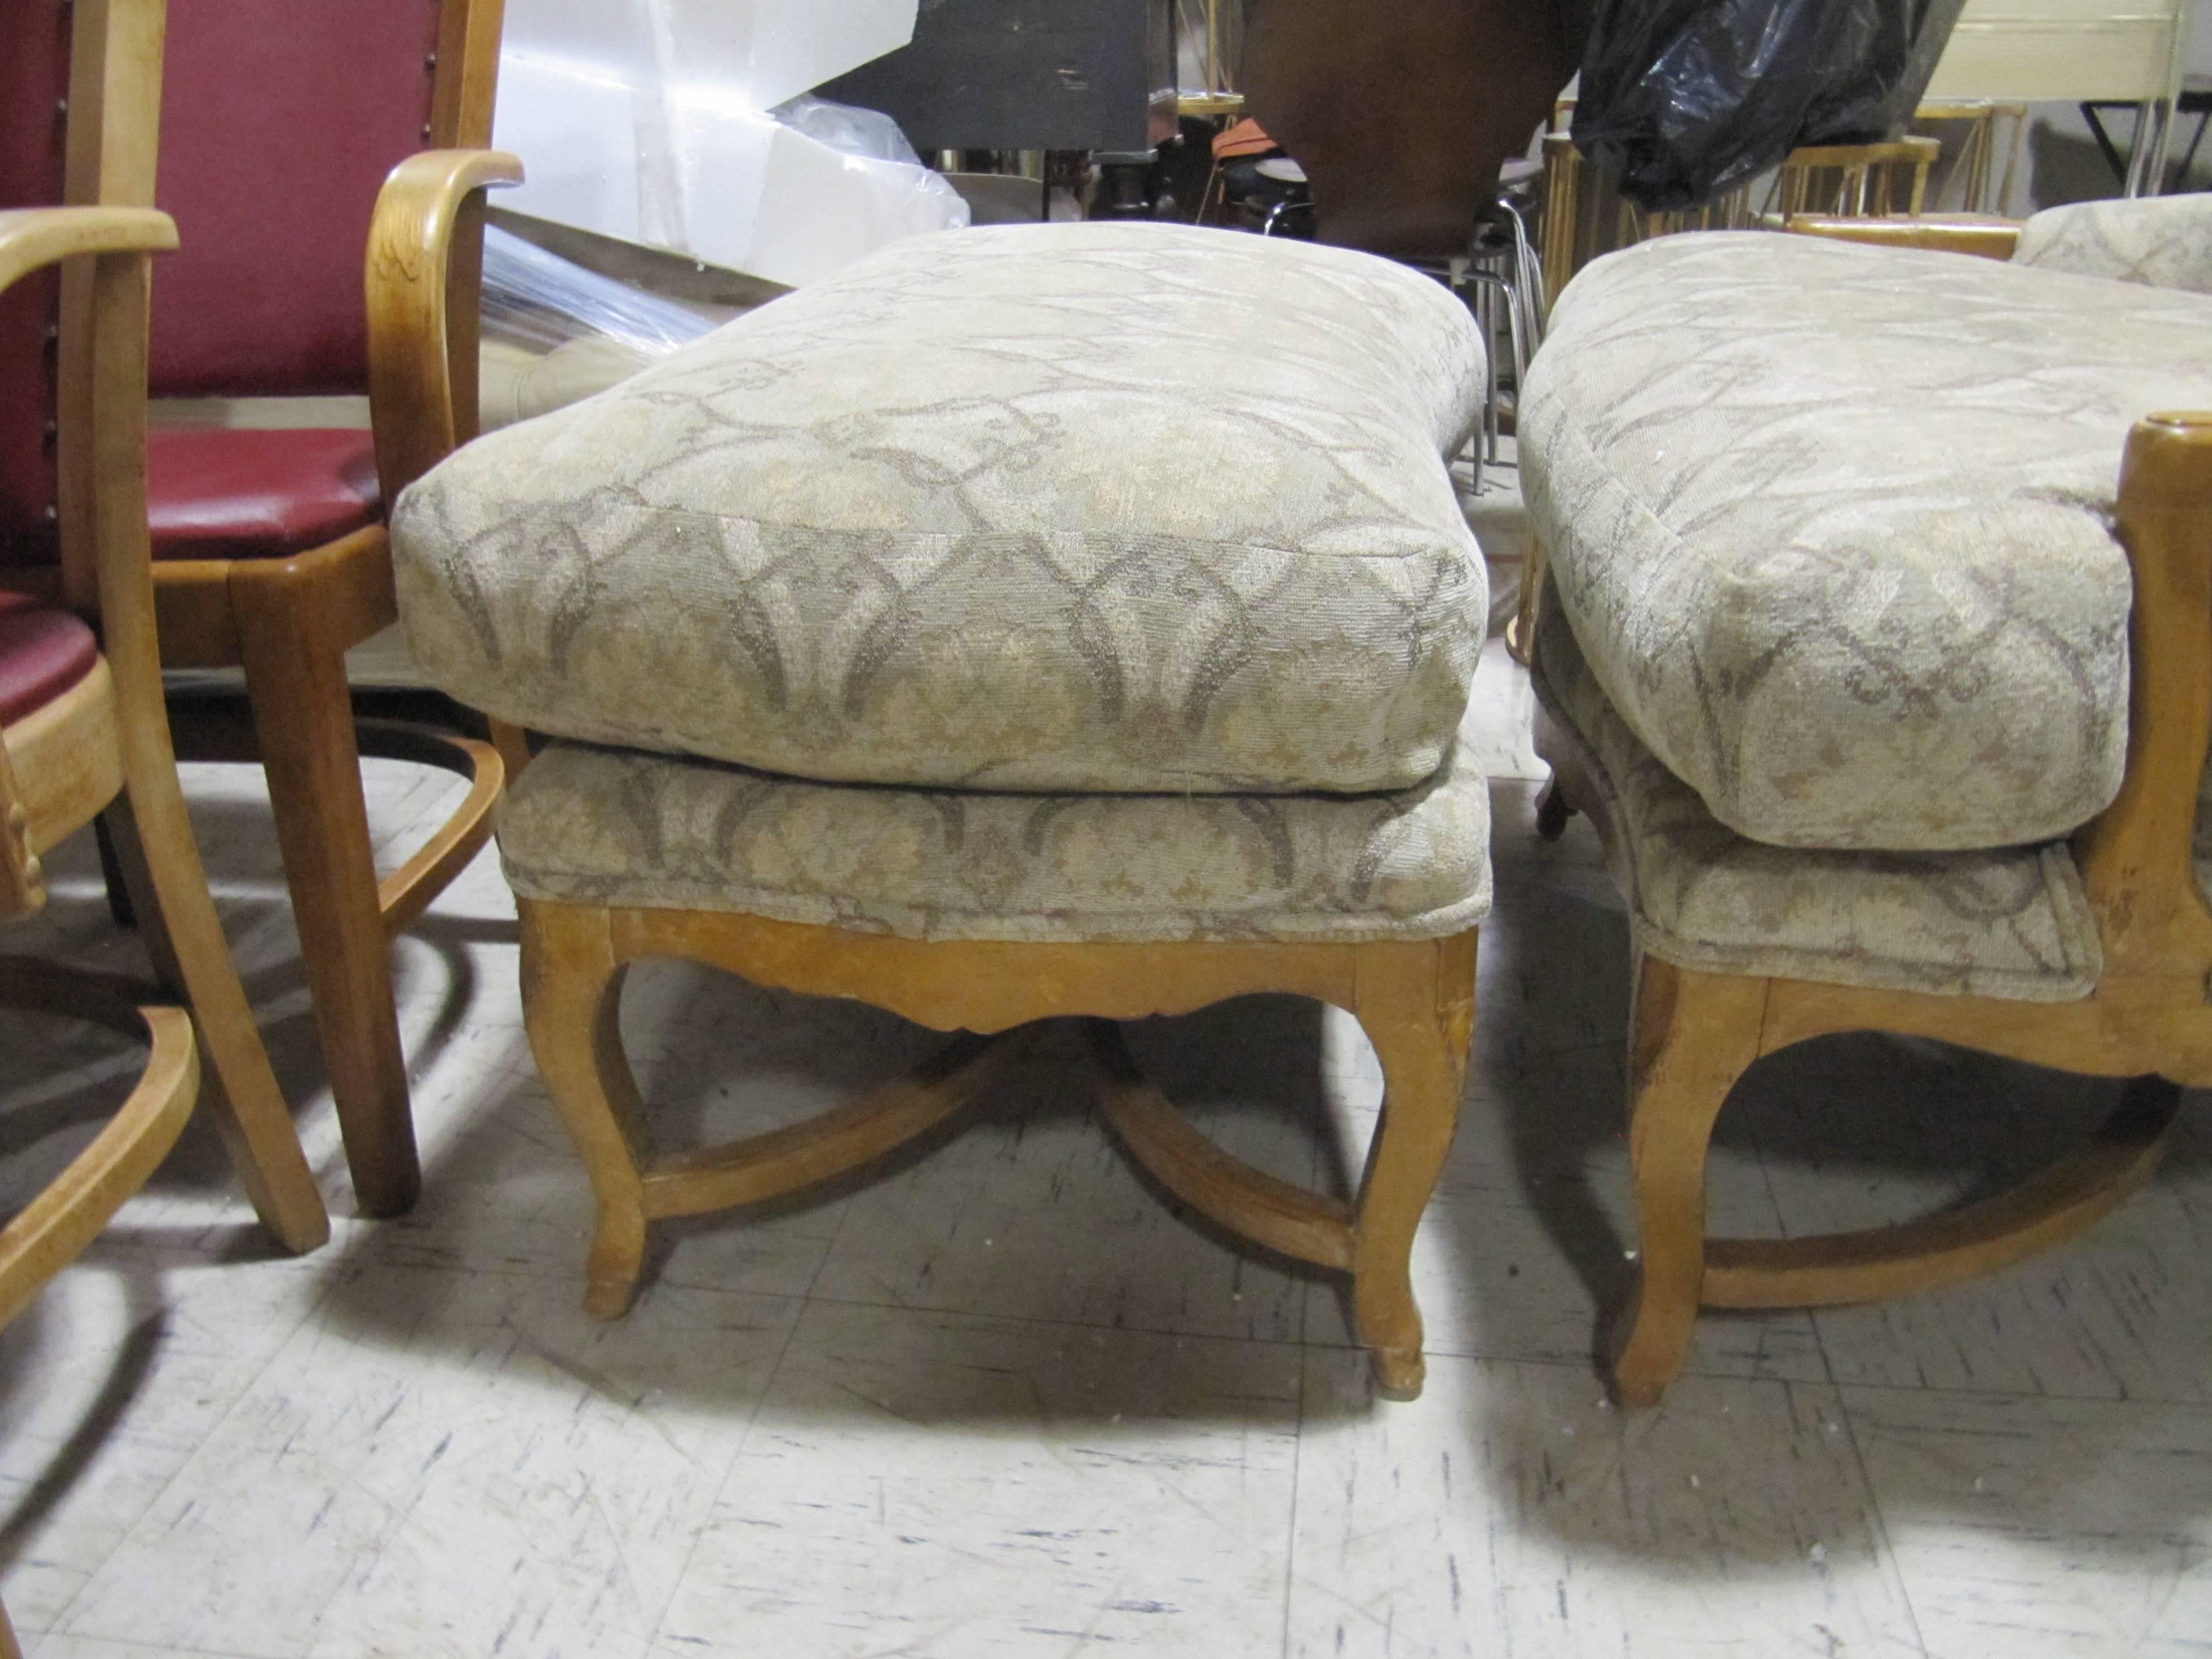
<point x="1075" y="508"/>
<point x="620" y="827"/>
<point x="2163" y="241"/>
<point x="2007" y="922"/>
<point x="1833" y="524"/>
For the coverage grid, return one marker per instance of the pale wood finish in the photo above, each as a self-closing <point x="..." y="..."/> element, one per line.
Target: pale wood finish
<point x="182" y="928"/>
<point x="22" y="884"/>
<point x="111" y="137"/>
<point x="1984" y="235"/>
<point x="423" y="270"/>
<point x="105" y="744"/>
<point x="2149" y="1018"/>
<point x="1855" y="178"/>
<point x="33" y="238"/>
<point x="287" y="623"/>
<point x="1416" y="1000"/>
<point x="67" y="759"/>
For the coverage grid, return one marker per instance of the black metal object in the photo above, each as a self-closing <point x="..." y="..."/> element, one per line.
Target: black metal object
<point x="2196" y="100"/>
<point x="1027" y="74"/>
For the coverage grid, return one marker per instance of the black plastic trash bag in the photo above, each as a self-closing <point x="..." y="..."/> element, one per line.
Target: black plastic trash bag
<point x="1682" y="100"/>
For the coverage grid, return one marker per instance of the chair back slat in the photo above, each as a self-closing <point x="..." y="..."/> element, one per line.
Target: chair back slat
<point x="35" y="42"/>
<point x="279" y="123"/>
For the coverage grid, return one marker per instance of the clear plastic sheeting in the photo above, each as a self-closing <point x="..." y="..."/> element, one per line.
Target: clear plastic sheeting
<point x="651" y="120"/>
<point x="554" y="332"/>
<point x="868" y="134"/>
<point x="537" y="300"/>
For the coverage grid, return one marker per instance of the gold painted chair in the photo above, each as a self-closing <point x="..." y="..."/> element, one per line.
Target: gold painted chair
<point x="1904" y="725"/>
<point x="905" y="644"/>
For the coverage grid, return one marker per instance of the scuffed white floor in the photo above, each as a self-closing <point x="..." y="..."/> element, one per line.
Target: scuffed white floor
<point x="999" y="1399"/>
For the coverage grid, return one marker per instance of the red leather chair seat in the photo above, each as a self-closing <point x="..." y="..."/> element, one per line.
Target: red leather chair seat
<point x="240" y="493"/>
<point x="43" y="652"/>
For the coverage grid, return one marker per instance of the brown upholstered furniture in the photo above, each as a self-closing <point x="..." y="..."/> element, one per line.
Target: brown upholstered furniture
<point x="277" y="131"/>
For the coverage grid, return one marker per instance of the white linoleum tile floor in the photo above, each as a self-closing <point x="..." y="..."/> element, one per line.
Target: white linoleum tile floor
<point x="998" y="1398"/>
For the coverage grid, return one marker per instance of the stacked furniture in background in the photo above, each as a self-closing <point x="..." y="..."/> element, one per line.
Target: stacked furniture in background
<point x="1025" y="623"/>
<point x="270" y="548"/>
<point x="1878" y="645"/>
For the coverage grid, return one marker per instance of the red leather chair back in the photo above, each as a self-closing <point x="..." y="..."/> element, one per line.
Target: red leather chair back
<point x="279" y="119"/>
<point x="34" y="38"/>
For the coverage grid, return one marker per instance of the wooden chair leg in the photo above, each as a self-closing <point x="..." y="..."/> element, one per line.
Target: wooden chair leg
<point x="1418" y="1009"/>
<point x="120" y="907"/>
<point x="1521" y="632"/>
<point x="571" y="1006"/>
<point x="513" y="745"/>
<point x="160" y="868"/>
<point x="303" y="719"/>
<point x="8" y="1647"/>
<point x="1691" y="1035"/>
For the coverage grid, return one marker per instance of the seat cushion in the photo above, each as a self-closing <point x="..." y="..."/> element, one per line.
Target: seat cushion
<point x="43" y="652"/>
<point x="1075" y="508"/>
<point x="2004" y="922"/>
<point x="1833" y="524"/>
<point x="2162" y="241"/>
<point x="248" y="493"/>
<point x="620" y="827"/>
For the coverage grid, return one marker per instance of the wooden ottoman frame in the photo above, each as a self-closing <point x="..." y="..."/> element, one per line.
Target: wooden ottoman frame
<point x="1693" y="1033"/>
<point x="1415" y="1000"/>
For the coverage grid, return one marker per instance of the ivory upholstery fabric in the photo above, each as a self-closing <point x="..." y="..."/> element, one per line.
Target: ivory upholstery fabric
<point x="2162" y="241"/>
<point x="1833" y="525"/>
<point x="619" y="827"/>
<point x="1058" y="508"/>
<point x="2007" y="922"/>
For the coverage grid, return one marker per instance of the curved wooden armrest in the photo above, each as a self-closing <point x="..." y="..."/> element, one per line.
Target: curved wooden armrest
<point x="1983" y="235"/>
<point x="33" y="237"/>
<point x="421" y="279"/>
<point x="2135" y="857"/>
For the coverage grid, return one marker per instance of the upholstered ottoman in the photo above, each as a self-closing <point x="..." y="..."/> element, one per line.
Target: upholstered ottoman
<point x="1848" y="583"/>
<point x="1023" y="623"/>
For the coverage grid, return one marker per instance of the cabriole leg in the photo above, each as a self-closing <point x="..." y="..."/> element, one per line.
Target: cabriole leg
<point x="1691" y="1035"/>
<point x="1417" y="1005"/>
<point x="571" y="1004"/>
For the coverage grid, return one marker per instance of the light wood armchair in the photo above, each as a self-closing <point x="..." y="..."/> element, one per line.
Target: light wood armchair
<point x="101" y="743"/>
<point x="270" y="548"/>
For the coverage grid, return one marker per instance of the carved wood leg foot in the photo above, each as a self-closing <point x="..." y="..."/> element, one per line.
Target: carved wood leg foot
<point x="1691" y="1036"/>
<point x="617" y="1262"/>
<point x="572" y="1005"/>
<point x="1418" y="1008"/>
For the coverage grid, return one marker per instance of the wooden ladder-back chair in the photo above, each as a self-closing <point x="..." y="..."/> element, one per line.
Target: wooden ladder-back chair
<point x="84" y="730"/>
<point x="298" y="147"/>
